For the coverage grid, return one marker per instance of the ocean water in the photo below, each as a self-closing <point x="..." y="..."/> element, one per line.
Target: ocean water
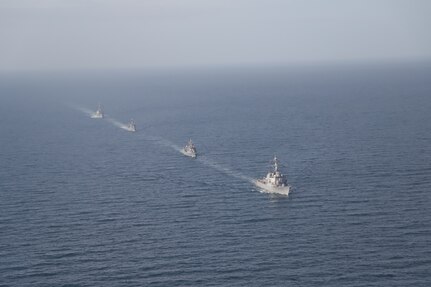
<point x="86" y="203"/>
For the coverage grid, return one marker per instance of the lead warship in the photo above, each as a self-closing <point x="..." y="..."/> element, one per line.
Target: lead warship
<point x="275" y="181"/>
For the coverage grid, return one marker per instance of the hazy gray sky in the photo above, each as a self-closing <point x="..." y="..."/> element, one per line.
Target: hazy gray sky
<point x="98" y="34"/>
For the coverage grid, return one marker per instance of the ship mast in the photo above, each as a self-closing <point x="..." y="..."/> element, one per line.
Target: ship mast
<point x="275" y="164"/>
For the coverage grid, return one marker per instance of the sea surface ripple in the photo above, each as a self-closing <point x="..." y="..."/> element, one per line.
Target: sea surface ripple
<point x="85" y="203"/>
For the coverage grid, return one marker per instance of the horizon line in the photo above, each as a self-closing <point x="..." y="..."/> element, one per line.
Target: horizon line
<point x="166" y="68"/>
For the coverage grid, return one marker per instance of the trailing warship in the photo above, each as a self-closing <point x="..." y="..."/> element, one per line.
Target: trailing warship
<point x="98" y="114"/>
<point x="131" y="126"/>
<point x="189" y="149"/>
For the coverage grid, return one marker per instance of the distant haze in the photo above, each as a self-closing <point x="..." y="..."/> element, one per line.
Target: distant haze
<point x="110" y="34"/>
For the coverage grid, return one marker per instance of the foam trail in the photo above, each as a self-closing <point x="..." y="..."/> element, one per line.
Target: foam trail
<point x="167" y="143"/>
<point x="164" y="142"/>
<point x="108" y="119"/>
<point x="228" y="171"/>
<point x="82" y="109"/>
<point x="116" y="123"/>
<point x="202" y="159"/>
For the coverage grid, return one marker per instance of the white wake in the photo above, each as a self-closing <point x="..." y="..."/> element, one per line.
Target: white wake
<point x="225" y="170"/>
<point x="116" y="123"/>
<point x="164" y="142"/>
<point x="83" y="110"/>
<point x="106" y="117"/>
<point x="159" y="140"/>
<point x="202" y="159"/>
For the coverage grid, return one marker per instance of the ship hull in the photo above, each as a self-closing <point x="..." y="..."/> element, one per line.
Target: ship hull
<point x="189" y="154"/>
<point x="270" y="188"/>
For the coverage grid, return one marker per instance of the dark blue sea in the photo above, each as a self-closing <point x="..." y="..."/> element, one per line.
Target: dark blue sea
<point x="86" y="203"/>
